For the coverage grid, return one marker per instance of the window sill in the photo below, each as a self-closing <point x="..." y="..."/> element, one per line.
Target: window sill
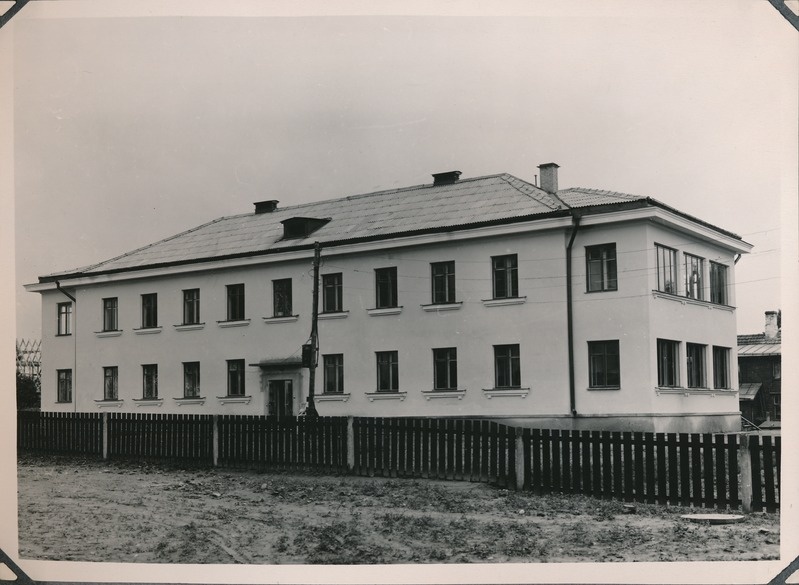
<point x="659" y="294"/>
<point x="503" y="302"/>
<point x="147" y="330"/>
<point x="603" y="388"/>
<point x="109" y="333"/>
<point x="286" y="319"/>
<point x="148" y="402"/>
<point x="333" y="315"/>
<point x="189" y="401"/>
<point x="372" y="396"/>
<point x="189" y="326"/>
<point x="63" y="402"/>
<point x="384" y="311"/>
<point x="236" y="323"/>
<point x="455" y="393"/>
<point x="63" y="335"/>
<point x="693" y="391"/>
<point x="332" y="397"/>
<point x="109" y="403"/>
<point x="454" y="306"/>
<point x="505" y="392"/>
<point x="234" y="399"/>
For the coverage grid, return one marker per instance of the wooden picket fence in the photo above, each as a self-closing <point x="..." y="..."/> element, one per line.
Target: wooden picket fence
<point x="702" y="470"/>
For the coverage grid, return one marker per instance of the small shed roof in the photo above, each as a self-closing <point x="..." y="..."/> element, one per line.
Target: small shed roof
<point x="748" y="391"/>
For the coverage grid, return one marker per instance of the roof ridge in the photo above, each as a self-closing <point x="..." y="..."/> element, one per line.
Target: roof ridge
<point x="605" y="192"/>
<point x="534" y="192"/>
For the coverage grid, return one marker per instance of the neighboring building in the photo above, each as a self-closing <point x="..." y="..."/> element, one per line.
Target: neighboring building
<point x="760" y="372"/>
<point x="456" y="298"/>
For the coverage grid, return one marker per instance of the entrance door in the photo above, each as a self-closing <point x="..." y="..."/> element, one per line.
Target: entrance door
<point x="281" y="398"/>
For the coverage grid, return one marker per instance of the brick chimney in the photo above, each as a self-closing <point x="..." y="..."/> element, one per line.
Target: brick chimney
<point x="772" y="324"/>
<point x="549" y="177"/>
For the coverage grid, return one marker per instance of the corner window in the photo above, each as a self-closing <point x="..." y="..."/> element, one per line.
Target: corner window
<point x="110" y="383"/>
<point x="149" y="381"/>
<point x="507" y="367"/>
<point x="110" y="314"/>
<point x="386" y="287"/>
<point x="603" y="364"/>
<point x="235" y="377"/>
<point x="601" y="267"/>
<point x="235" y="302"/>
<point x="191" y="306"/>
<point x="718" y="283"/>
<point x="445" y="368"/>
<point x="668" y="363"/>
<point x="64" y="386"/>
<point x="505" y="276"/>
<point x="191" y="379"/>
<point x="332" y="293"/>
<point x="667" y="269"/>
<point x="281" y="297"/>
<point x="694" y="283"/>
<point x="64" y="318"/>
<point x="334" y="373"/>
<point x="443" y="275"/>
<point x="695" y="356"/>
<point x="721" y="367"/>
<point x="149" y="311"/>
<point x="387" y="371"/>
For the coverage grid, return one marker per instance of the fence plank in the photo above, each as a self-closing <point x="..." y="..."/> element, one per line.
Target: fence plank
<point x="768" y="473"/>
<point x="707" y="465"/>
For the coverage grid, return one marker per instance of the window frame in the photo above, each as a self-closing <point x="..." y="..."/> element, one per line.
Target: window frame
<point x="608" y="352"/>
<point x="332" y="286"/>
<point x="191" y="306"/>
<point x="607" y="265"/>
<point x="442" y="282"/>
<point x="696" y="365"/>
<point x="664" y="269"/>
<point x="149" y="311"/>
<point x="149" y="374"/>
<point x="111" y="314"/>
<point x="721" y="368"/>
<point x="333" y="368"/>
<point x="191" y="379"/>
<point x="387" y="366"/>
<point x="386" y="294"/>
<point x="235" y="302"/>
<point x="445" y="365"/>
<point x="507" y="365"/>
<point x="235" y="378"/>
<point x="64" y="319"/>
<point x="111" y="375"/>
<point x="282" y="297"/>
<point x="505" y="276"/>
<point x="694" y="266"/>
<point x="64" y="386"/>
<point x="668" y="373"/>
<point x="719" y="283"/>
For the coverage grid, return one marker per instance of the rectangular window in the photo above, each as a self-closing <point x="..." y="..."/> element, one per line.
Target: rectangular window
<point x="191" y="379"/>
<point x="332" y="293"/>
<point x="776" y="369"/>
<point x="695" y="357"/>
<point x="110" y="383"/>
<point x="721" y="367"/>
<point x="718" y="283"/>
<point x="694" y="283"/>
<point x="443" y="274"/>
<point x="149" y="381"/>
<point x="505" y="276"/>
<point x="334" y="373"/>
<point x="64" y="385"/>
<point x="149" y="311"/>
<point x="235" y="302"/>
<point x="667" y="269"/>
<point x="445" y="368"/>
<point x="385" y="287"/>
<point x="507" y="367"/>
<point x="110" y="314"/>
<point x="235" y="377"/>
<point x="191" y="306"/>
<point x="601" y="267"/>
<point x="387" y="371"/>
<point x="603" y="364"/>
<point x="64" y="318"/>
<point x="281" y="297"/>
<point x="668" y="363"/>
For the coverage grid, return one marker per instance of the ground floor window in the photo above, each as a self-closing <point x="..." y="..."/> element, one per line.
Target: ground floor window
<point x="603" y="364"/>
<point x="445" y="368"/>
<point x="64" y="385"/>
<point x="668" y="364"/>
<point x="191" y="379"/>
<point x="235" y="377"/>
<point x="507" y="367"/>
<point x="695" y="356"/>
<point x="334" y="373"/>
<point x="721" y="367"/>
<point x="387" y="371"/>
<point x="110" y="383"/>
<point x="149" y="381"/>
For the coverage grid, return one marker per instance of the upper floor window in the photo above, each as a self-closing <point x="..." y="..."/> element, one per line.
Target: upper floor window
<point x="507" y="366"/>
<point x="191" y="306"/>
<point x="668" y="354"/>
<point x="150" y="381"/>
<point x="281" y="297"/>
<point x="718" y="283"/>
<point x="386" y="287"/>
<point x="110" y="383"/>
<point x="603" y="364"/>
<point x="235" y="302"/>
<point x="695" y="355"/>
<point x="694" y="283"/>
<point x="601" y="267"/>
<point x="191" y="379"/>
<point x="64" y="386"/>
<point x="64" y="318"/>
<point x="149" y="310"/>
<point x="235" y="377"/>
<point x="334" y="373"/>
<point x="387" y="371"/>
<point x="443" y="274"/>
<point x="505" y="276"/>
<point x="445" y="368"/>
<point x="667" y="269"/>
<point x="721" y="367"/>
<point x="111" y="314"/>
<point x="332" y="293"/>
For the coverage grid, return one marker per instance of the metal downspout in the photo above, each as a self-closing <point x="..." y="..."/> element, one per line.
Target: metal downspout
<point x="74" y="345"/>
<point x="569" y="311"/>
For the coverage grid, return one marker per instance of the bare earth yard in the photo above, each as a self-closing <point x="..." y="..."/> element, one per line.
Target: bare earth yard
<point x="79" y="510"/>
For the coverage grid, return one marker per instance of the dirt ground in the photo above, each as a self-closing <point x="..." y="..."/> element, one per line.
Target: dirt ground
<point x="90" y="510"/>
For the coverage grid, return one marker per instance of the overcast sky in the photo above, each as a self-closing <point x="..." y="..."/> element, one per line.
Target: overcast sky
<point x="128" y="130"/>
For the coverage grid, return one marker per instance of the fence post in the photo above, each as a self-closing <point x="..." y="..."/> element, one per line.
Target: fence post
<point x="520" y="461"/>
<point x="350" y="444"/>
<point x="745" y="468"/>
<point x="105" y="435"/>
<point x="215" y="439"/>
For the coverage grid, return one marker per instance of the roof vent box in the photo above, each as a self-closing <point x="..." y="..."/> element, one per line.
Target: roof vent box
<point x="296" y="228"/>
<point x="266" y="206"/>
<point x="445" y="178"/>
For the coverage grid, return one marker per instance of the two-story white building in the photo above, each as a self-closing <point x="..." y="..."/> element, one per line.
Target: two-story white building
<point x="483" y="297"/>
